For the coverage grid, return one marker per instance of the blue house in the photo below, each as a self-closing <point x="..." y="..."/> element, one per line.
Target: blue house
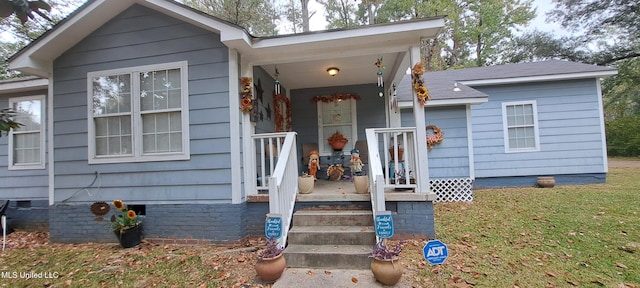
<point x="143" y="101"/>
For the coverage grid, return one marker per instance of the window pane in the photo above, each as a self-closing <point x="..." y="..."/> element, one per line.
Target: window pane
<point x="175" y="99"/>
<point x="28" y="113"/>
<point x="111" y="94"/>
<point x="160" y="89"/>
<point x="157" y="136"/>
<point x="113" y="135"/>
<point x="26" y="148"/>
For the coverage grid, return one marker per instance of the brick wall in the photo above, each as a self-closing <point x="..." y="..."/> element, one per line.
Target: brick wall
<point x="179" y="223"/>
<point x="31" y="215"/>
<point x="412" y="219"/>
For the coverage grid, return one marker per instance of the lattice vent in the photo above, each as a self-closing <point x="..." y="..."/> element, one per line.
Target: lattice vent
<point x="452" y="189"/>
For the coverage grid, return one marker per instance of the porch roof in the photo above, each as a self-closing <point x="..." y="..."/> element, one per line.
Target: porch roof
<point x="302" y="59"/>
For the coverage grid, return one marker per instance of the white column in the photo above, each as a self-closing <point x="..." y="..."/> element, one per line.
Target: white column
<point x="422" y="174"/>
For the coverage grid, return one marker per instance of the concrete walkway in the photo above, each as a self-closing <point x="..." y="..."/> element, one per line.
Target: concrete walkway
<point x="325" y="278"/>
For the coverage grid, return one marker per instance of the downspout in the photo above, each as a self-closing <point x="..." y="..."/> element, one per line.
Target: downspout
<point x="50" y="158"/>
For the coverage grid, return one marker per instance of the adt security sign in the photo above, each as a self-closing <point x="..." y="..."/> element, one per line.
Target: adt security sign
<point x="435" y="252"/>
<point x="273" y="226"/>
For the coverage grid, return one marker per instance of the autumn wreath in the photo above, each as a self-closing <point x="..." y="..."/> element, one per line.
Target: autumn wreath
<point x="435" y="138"/>
<point x="283" y="119"/>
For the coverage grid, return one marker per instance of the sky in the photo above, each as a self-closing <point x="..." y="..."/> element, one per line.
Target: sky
<point x="318" y="23"/>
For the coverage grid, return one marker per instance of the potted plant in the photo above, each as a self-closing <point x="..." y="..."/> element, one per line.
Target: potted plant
<point x="385" y="265"/>
<point x="271" y="261"/>
<point x="306" y="183"/>
<point x="126" y="225"/>
<point x="337" y="141"/>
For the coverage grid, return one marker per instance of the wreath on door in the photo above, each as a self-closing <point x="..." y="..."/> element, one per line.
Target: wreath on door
<point x="435" y="137"/>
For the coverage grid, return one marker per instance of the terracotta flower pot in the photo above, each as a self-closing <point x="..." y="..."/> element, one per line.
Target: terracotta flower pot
<point x="387" y="272"/>
<point x="305" y="184"/>
<point x="361" y="183"/>
<point x="270" y="269"/>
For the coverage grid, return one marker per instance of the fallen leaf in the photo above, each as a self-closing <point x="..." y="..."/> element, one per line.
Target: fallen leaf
<point x="354" y="279"/>
<point x="618" y="264"/>
<point x="310" y="273"/>
<point x="327" y="272"/>
<point x="551" y="274"/>
<point x="574" y="283"/>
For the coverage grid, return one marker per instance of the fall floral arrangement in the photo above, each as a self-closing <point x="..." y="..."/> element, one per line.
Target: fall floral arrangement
<point x="384" y="252"/>
<point x="418" y="83"/>
<point x="246" y="104"/>
<point x="272" y="250"/>
<point x="337" y="140"/>
<point x="124" y="219"/>
<point x="283" y="121"/>
<point x="435" y="138"/>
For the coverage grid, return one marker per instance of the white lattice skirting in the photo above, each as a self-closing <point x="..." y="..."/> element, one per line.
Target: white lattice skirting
<point x="452" y="189"/>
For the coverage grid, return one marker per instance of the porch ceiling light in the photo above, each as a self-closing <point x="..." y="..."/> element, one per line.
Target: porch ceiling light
<point x="333" y="71"/>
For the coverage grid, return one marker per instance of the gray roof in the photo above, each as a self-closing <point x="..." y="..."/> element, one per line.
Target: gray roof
<point x="441" y="83"/>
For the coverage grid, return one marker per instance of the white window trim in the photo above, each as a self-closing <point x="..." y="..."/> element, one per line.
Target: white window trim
<point x="136" y="116"/>
<point x="40" y="165"/>
<point x="505" y="127"/>
<point x="323" y="138"/>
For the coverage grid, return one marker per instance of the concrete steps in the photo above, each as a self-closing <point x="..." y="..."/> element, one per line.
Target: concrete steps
<point x="339" y="239"/>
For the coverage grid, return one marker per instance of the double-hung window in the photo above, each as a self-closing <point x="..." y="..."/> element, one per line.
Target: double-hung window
<point x="139" y="114"/>
<point x="520" y="126"/>
<point x="26" y="143"/>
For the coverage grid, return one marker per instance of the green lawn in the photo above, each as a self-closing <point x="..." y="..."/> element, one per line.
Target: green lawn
<point x="586" y="236"/>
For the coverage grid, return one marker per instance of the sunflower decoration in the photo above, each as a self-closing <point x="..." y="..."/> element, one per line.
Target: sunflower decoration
<point x="125" y="218"/>
<point x="418" y="83"/>
<point x="247" y="98"/>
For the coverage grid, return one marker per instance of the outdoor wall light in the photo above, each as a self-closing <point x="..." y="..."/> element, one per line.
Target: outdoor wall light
<point x="456" y="88"/>
<point x="333" y="71"/>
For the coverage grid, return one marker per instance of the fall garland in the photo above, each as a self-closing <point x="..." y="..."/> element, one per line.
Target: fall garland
<point x="418" y="83"/>
<point x="246" y="103"/>
<point x="334" y="97"/>
<point x="435" y="138"/>
<point x="280" y="117"/>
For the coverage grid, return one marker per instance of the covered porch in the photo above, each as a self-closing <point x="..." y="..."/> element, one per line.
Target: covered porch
<point x="297" y="102"/>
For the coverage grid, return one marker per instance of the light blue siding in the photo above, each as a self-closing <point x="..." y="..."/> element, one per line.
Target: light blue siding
<point x="449" y="159"/>
<point x="569" y="128"/>
<point x="31" y="184"/>
<point x="140" y="36"/>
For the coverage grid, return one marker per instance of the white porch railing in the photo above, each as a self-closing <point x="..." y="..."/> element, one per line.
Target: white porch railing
<point x="282" y="180"/>
<point x="268" y="147"/>
<point x="396" y="168"/>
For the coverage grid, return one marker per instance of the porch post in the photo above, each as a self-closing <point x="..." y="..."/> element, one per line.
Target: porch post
<point x="248" y="147"/>
<point x="422" y="174"/>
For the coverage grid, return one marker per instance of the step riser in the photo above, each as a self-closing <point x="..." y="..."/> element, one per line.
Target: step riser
<point x="337" y="238"/>
<point x="335" y="261"/>
<point x="333" y="220"/>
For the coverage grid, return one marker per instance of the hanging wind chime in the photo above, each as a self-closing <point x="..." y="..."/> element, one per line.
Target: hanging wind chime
<point x="276" y="86"/>
<point x="379" y="73"/>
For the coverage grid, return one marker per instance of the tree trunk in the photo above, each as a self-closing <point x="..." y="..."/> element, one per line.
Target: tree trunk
<point x="305" y="15"/>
